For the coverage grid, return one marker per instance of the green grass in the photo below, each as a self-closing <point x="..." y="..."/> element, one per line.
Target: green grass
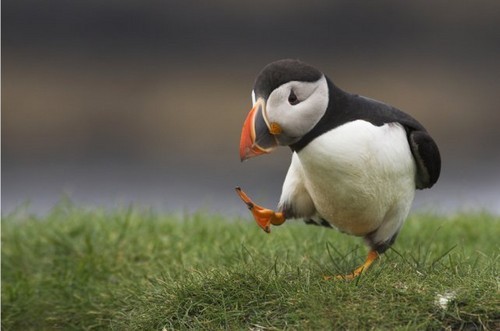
<point x="133" y="269"/>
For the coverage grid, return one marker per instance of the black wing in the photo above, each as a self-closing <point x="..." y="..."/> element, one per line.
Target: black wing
<point x="424" y="149"/>
<point x="427" y="158"/>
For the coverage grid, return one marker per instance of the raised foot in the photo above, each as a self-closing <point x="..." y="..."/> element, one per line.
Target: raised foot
<point x="263" y="216"/>
<point x="372" y="256"/>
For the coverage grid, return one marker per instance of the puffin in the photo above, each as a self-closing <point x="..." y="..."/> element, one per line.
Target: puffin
<point x="356" y="162"/>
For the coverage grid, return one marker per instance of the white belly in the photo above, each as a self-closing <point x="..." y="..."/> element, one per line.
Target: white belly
<point x="360" y="176"/>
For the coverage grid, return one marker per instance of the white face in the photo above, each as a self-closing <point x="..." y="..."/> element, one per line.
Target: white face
<point x="297" y="107"/>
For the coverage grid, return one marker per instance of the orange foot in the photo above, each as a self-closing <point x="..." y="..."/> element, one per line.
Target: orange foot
<point x="263" y="216"/>
<point x="372" y="256"/>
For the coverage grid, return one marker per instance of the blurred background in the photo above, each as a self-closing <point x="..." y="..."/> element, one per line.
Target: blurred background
<point x="119" y="101"/>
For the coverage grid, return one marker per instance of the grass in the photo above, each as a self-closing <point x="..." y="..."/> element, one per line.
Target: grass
<point x="133" y="269"/>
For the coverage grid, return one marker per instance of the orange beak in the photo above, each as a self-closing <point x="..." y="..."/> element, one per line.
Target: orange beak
<point x="255" y="136"/>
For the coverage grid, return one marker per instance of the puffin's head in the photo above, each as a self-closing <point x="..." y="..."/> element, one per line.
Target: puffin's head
<point x="289" y="98"/>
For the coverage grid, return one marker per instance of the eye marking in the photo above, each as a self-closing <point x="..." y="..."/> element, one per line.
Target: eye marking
<point x="292" y="98"/>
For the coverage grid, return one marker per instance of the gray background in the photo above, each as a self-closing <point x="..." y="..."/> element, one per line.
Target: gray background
<point x="111" y="102"/>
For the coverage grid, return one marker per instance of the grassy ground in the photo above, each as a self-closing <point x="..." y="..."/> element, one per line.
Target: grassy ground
<point x="137" y="270"/>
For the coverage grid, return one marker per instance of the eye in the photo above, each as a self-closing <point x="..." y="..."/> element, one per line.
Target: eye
<point x="292" y="98"/>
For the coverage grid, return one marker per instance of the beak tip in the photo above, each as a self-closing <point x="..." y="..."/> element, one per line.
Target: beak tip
<point x="244" y="158"/>
<point x="245" y="152"/>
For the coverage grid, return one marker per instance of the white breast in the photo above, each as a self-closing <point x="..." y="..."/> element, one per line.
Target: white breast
<point x="361" y="177"/>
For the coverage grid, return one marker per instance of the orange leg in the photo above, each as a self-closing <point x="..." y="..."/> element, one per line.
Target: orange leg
<point x="263" y="216"/>
<point x="372" y="256"/>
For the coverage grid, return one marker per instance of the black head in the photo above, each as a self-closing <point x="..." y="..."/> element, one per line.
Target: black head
<point x="280" y="72"/>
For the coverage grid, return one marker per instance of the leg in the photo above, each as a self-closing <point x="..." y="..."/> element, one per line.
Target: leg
<point x="375" y="251"/>
<point x="263" y="216"/>
<point x="372" y="256"/>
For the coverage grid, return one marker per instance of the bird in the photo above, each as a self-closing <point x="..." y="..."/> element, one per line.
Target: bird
<point x="356" y="162"/>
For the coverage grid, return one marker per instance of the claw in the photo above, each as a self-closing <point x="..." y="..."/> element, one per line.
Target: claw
<point x="263" y="216"/>
<point x="245" y="198"/>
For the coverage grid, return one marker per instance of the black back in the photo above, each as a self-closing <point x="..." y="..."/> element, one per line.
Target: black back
<point x="344" y="107"/>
